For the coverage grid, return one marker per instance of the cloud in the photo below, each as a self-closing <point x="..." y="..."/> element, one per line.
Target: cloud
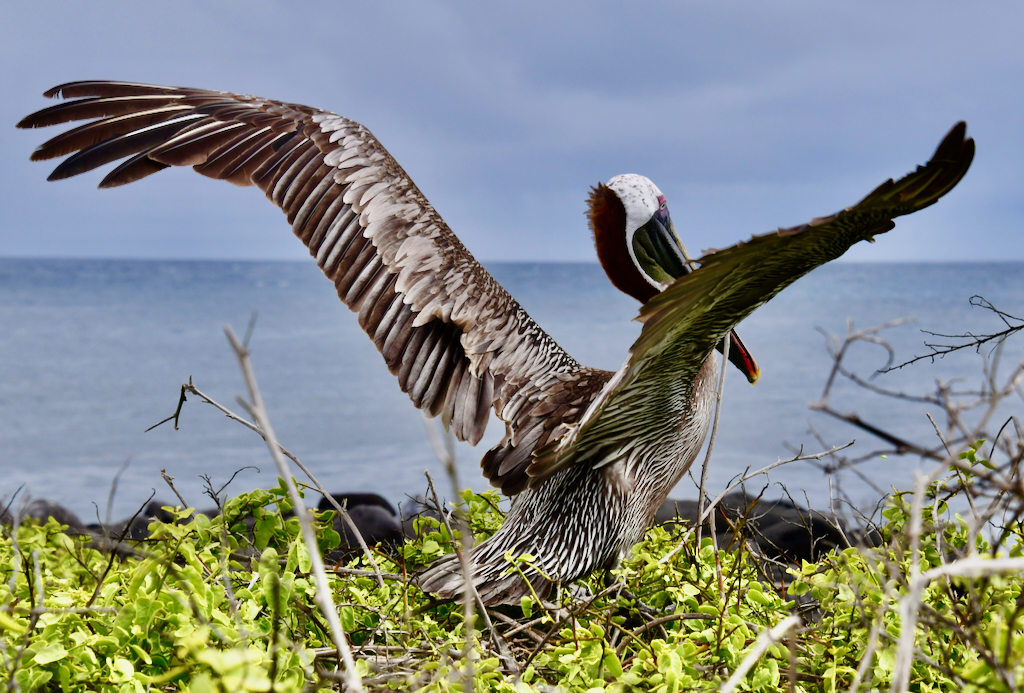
<point x="747" y="116"/>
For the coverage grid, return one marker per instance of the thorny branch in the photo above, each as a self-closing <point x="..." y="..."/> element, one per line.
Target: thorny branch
<point x="323" y="595"/>
<point x="190" y="388"/>
<point x="968" y="413"/>
<point x="994" y="494"/>
<point x="714" y="434"/>
<point x="967" y="340"/>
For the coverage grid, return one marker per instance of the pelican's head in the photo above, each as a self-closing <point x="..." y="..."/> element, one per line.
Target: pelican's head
<point x="651" y="239"/>
<point x="639" y="248"/>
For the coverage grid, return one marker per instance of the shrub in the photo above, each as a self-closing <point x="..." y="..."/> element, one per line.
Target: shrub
<point x="226" y="604"/>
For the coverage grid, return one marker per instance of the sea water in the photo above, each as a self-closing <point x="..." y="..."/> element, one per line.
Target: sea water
<point x="93" y="352"/>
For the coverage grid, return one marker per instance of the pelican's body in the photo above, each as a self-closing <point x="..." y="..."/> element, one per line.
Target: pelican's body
<point x="586" y="517"/>
<point x="589" y="455"/>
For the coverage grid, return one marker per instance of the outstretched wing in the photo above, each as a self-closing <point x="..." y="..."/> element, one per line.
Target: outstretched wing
<point x="683" y="324"/>
<point x="458" y="342"/>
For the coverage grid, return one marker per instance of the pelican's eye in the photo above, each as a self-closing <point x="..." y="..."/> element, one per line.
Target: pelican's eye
<point x="662" y="213"/>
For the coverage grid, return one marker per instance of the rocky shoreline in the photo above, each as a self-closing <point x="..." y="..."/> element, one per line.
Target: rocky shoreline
<point x="779" y="530"/>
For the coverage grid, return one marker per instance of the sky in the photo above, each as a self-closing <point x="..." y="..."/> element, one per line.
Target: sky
<point x="748" y="116"/>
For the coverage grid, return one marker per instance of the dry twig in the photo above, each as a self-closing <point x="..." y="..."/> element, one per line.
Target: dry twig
<point x="323" y="589"/>
<point x="189" y="387"/>
<point x="714" y="434"/>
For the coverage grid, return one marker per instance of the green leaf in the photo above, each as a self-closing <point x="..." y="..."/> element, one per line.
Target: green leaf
<point x="347" y="616"/>
<point x="264" y="529"/>
<point x="51" y="653"/>
<point x="611" y="664"/>
<point x="121" y="670"/>
<point x="526" y="604"/>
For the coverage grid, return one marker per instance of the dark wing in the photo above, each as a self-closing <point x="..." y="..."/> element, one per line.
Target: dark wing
<point x="683" y="324"/>
<point x="457" y="341"/>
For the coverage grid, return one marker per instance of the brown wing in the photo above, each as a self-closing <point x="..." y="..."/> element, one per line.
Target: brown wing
<point x="683" y="324"/>
<point x="457" y="341"/>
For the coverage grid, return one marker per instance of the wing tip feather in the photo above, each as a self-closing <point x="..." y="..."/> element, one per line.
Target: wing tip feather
<point x="951" y="145"/>
<point x="103" y="87"/>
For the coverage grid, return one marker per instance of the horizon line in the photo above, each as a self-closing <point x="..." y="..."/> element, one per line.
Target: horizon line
<point x="485" y="261"/>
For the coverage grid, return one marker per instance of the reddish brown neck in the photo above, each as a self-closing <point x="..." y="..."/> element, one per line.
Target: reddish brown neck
<point x="608" y="222"/>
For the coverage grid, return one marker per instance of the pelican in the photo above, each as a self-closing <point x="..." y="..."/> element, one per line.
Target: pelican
<point x="588" y="455"/>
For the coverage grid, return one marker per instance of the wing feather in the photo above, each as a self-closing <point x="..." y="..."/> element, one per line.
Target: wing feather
<point x="132" y="169"/>
<point x="683" y="324"/>
<point x="120" y="146"/>
<point x="95" y="107"/>
<point x="98" y="131"/>
<point x="458" y="343"/>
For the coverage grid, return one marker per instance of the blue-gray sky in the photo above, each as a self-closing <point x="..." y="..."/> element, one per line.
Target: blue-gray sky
<point x="748" y="115"/>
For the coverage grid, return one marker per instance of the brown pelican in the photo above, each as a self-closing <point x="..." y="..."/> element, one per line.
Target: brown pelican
<point x="588" y="454"/>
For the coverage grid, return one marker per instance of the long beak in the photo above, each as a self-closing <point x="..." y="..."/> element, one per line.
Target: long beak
<point x="741" y="358"/>
<point x="658" y="251"/>
<point x="738" y="354"/>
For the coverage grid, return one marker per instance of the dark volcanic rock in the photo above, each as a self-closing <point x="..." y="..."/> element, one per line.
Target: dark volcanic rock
<point x="41" y="510"/>
<point x="779" y="529"/>
<point x="372" y="515"/>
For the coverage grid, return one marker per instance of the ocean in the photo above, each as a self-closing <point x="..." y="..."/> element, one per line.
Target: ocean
<point x="93" y="352"/>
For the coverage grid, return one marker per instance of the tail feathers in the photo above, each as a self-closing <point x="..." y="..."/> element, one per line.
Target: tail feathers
<point x="494" y="583"/>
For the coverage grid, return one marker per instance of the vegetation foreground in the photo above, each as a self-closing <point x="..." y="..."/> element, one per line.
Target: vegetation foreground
<point x="227" y="604"/>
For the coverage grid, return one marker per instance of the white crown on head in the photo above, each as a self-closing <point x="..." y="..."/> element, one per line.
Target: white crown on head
<point x="639" y="196"/>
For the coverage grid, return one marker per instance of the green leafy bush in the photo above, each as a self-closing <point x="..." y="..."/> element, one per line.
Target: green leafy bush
<point x="227" y="604"/>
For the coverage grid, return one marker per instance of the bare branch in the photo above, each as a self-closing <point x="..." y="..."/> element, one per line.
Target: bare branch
<point x="967" y="340"/>
<point x="189" y="387"/>
<point x="323" y="589"/>
<point x="903" y="447"/>
<point x="113" y="487"/>
<point x="764" y="641"/>
<point x="714" y="434"/>
<point x="746" y="477"/>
